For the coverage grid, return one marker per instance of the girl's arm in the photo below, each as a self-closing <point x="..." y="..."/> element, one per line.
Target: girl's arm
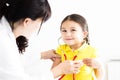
<point x="98" y="73"/>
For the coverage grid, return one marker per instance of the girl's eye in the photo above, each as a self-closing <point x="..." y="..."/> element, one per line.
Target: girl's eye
<point x="64" y="30"/>
<point x="73" y="30"/>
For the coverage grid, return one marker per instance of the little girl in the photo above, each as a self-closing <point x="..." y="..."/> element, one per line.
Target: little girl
<point x="74" y="33"/>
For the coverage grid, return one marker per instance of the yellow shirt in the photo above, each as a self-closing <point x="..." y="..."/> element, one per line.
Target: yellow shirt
<point x="85" y="51"/>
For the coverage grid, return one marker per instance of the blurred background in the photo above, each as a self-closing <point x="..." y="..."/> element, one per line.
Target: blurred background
<point x="103" y="18"/>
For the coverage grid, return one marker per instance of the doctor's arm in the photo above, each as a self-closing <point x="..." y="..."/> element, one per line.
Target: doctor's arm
<point x="97" y="66"/>
<point x="11" y="67"/>
<point x="58" y="68"/>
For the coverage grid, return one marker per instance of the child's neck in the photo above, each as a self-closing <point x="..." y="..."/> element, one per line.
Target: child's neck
<point x="76" y="46"/>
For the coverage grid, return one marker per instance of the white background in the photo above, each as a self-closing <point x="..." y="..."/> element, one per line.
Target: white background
<point x="103" y="17"/>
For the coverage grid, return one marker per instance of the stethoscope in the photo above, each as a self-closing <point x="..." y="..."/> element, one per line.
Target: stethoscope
<point x="65" y="57"/>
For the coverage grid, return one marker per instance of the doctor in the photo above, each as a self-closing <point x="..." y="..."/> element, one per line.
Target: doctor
<point x="18" y="20"/>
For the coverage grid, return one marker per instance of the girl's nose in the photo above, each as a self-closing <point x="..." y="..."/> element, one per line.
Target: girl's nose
<point x="68" y="33"/>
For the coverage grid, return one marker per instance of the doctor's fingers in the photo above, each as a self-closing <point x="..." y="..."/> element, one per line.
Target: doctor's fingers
<point x="76" y="69"/>
<point x="78" y="64"/>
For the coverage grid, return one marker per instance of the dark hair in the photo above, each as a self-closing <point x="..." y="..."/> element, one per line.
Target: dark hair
<point x="15" y="10"/>
<point x="81" y="21"/>
<point x="22" y="42"/>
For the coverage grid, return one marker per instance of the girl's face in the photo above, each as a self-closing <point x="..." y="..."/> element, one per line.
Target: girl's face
<point x="72" y="33"/>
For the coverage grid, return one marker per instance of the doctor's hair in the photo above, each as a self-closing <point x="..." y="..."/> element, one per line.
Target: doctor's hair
<point x="16" y="10"/>
<point x="81" y="21"/>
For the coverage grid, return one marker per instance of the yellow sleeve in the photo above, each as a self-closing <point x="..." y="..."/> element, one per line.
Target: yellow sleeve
<point x="93" y="53"/>
<point x="59" y="50"/>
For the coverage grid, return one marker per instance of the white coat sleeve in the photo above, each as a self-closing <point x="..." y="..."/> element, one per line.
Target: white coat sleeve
<point x="11" y="67"/>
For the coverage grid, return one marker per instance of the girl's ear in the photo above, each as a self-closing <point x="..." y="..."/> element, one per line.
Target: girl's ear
<point x="85" y="33"/>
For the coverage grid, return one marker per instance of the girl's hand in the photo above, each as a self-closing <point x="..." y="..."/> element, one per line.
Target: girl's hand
<point x="92" y="63"/>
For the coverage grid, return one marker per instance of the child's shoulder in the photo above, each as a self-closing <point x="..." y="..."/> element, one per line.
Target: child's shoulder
<point x="92" y="51"/>
<point x="91" y="47"/>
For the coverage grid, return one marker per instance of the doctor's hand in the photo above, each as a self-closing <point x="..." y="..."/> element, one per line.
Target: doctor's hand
<point x="97" y="65"/>
<point x="50" y="54"/>
<point x="94" y="63"/>
<point x="66" y="67"/>
<point x="69" y="67"/>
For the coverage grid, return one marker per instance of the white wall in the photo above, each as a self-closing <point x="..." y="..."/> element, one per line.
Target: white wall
<point x="103" y="18"/>
<point x="114" y="70"/>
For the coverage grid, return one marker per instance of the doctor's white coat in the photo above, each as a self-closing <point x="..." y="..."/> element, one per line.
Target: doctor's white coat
<point x="11" y="67"/>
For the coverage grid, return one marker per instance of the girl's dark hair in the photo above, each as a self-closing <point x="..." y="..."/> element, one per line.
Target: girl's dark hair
<point x="81" y="21"/>
<point x="15" y="10"/>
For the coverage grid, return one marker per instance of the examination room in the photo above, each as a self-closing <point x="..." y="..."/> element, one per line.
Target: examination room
<point x="102" y="17"/>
